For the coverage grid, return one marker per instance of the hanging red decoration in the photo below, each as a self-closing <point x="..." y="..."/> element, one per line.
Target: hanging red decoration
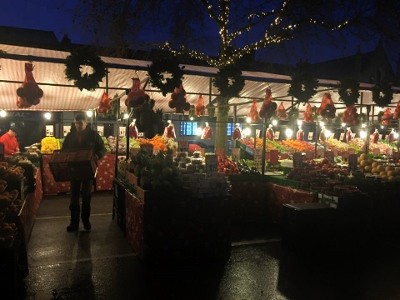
<point x="281" y="112"/>
<point x="350" y="116"/>
<point x="308" y="114"/>
<point x="396" y="114"/>
<point x="136" y="97"/>
<point x="386" y="117"/>
<point x="200" y="107"/>
<point x="105" y="104"/>
<point x="327" y="108"/>
<point x="253" y="113"/>
<point x="178" y="100"/>
<point x="29" y="93"/>
<point x="269" y="107"/>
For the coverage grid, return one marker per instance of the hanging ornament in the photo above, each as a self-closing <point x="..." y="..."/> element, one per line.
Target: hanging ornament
<point x="229" y="81"/>
<point x="165" y="74"/>
<point x="178" y="100"/>
<point x="136" y="97"/>
<point x="304" y="85"/>
<point x="327" y="108"/>
<point x="105" y="104"/>
<point x="200" y="107"/>
<point x="29" y="93"/>
<point x="396" y="114"/>
<point x="308" y="114"/>
<point x="386" y="117"/>
<point x="382" y="94"/>
<point x="253" y="113"/>
<point x="349" y="91"/>
<point x="281" y="112"/>
<point x="269" y="107"/>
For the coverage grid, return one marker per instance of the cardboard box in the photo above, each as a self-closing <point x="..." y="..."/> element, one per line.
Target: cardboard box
<point x="67" y="165"/>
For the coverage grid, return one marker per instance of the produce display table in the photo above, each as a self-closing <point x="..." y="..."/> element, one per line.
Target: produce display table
<point x="256" y="199"/>
<point x="178" y="228"/>
<point x="104" y="177"/>
<point x="14" y="259"/>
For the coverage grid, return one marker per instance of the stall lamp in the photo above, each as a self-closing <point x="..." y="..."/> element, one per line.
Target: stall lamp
<point x="248" y="120"/>
<point x="396" y="135"/>
<point x="247" y="131"/>
<point x="274" y="122"/>
<point x="363" y="125"/>
<point x="363" y="134"/>
<point x="47" y="116"/>
<point x="3" y="113"/>
<point x="126" y="116"/>
<point x="322" y="124"/>
<point x="191" y="118"/>
<point x="199" y="131"/>
<point x="299" y="123"/>
<point x="89" y="113"/>
<point x="289" y="133"/>
<point x="327" y="134"/>
<point x="343" y="124"/>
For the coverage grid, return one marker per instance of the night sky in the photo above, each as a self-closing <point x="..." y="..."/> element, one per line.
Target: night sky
<point x="57" y="16"/>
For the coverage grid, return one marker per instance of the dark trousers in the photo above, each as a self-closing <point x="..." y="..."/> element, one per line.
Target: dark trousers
<point x="80" y="188"/>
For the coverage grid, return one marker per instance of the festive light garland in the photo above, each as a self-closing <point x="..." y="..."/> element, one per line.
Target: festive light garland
<point x="85" y="56"/>
<point x="229" y="81"/>
<point x="382" y="94"/>
<point x="303" y="85"/>
<point x="349" y="91"/>
<point x="157" y="71"/>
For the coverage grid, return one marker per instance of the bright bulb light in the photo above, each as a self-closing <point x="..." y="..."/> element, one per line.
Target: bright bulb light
<point x="248" y="120"/>
<point x="396" y="135"/>
<point x="126" y="116"/>
<point x="328" y="134"/>
<point x="47" y="116"/>
<point x="247" y="131"/>
<point x="89" y="113"/>
<point x="322" y="124"/>
<point x="343" y="124"/>
<point x="3" y="113"/>
<point x="363" y="134"/>
<point x="191" y="118"/>
<point x="199" y="131"/>
<point x="274" y="122"/>
<point x="363" y="125"/>
<point x="289" y="133"/>
<point x="299" y="122"/>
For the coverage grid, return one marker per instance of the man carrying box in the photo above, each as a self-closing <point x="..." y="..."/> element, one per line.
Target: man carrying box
<point x="82" y="138"/>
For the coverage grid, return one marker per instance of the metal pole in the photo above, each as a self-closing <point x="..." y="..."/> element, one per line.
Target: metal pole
<point x="264" y="133"/>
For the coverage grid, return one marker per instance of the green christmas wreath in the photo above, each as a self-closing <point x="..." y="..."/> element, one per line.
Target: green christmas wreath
<point x="382" y="94"/>
<point x="229" y="81"/>
<point x="85" y="56"/>
<point x="349" y="91"/>
<point x="157" y="71"/>
<point x="303" y="85"/>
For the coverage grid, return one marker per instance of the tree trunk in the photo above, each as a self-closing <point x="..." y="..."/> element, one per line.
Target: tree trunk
<point x="220" y="134"/>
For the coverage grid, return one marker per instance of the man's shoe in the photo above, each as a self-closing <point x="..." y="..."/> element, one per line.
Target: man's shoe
<point x="72" y="227"/>
<point x="87" y="226"/>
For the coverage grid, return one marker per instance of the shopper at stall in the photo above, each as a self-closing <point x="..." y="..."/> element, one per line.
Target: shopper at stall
<point x="80" y="139"/>
<point x="9" y="139"/>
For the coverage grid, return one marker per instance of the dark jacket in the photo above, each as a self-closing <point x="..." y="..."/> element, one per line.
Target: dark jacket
<point x="90" y="139"/>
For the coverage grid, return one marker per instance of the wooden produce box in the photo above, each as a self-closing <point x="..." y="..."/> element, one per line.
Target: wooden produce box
<point x="67" y="165"/>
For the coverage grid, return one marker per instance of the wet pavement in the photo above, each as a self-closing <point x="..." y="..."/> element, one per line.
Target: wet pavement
<point x="101" y="265"/>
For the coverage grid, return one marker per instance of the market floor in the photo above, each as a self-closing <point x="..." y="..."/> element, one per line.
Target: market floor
<point x="102" y="265"/>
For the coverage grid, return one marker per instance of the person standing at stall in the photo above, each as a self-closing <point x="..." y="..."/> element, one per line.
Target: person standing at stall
<point x="9" y="139"/>
<point x="82" y="138"/>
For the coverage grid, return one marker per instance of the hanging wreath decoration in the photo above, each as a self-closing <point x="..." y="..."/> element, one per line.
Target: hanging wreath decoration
<point x="158" y="74"/>
<point x="304" y="85"/>
<point x="229" y="81"/>
<point x="85" y="56"/>
<point x="382" y="94"/>
<point x="349" y="91"/>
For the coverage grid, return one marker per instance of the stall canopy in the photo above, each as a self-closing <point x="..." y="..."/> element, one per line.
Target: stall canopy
<point x="61" y="94"/>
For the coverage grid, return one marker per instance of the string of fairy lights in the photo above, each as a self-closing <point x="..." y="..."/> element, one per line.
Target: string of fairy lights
<point x="228" y="55"/>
